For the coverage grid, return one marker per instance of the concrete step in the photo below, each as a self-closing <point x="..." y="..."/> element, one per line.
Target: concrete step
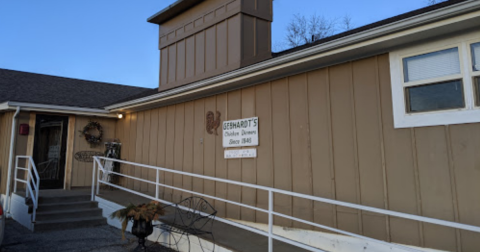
<point x="68" y="214"/>
<point x="69" y="223"/>
<point x="63" y="199"/>
<point x="66" y="206"/>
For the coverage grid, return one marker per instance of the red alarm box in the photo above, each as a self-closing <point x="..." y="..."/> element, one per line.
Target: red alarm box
<point x="23" y="129"/>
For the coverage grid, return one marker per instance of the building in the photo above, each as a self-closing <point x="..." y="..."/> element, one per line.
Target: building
<point x="386" y="115"/>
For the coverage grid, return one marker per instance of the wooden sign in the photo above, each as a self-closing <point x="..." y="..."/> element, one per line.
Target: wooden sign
<point x="87" y="156"/>
<point x="238" y="133"/>
<point x="242" y="153"/>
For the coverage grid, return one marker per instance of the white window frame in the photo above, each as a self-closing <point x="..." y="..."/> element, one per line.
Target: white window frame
<point x="469" y="114"/>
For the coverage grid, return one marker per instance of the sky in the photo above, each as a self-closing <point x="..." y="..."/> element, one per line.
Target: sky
<point x="111" y="41"/>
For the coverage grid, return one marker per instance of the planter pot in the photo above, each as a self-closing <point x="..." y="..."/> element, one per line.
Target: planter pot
<point x="141" y="229"/>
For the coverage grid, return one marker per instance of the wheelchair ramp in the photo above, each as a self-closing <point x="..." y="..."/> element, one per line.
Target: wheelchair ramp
<point x="227" y="237"/>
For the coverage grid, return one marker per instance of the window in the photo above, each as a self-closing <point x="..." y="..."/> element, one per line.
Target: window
<point x="437" y="83"/>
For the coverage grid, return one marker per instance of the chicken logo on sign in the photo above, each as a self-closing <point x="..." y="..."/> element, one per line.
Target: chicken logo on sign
<point x="212" y="124"/>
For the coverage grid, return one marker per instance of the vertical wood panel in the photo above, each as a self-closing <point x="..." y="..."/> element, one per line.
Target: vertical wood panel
<point x="190" y="57"/>
<point x="199" y="141"/>
<point x="321" y="149"/>
<point x="170" y="151"/>
<point x="82" y="171"/>
<point x="264" y="165"/>
<point x="199" y="53"/>
<point x="178" y="152"/>
<point x="139" y="149"/>
<point x="181" y="63"/>
<point x="210" y="49"/>
<point x="234" y="111"/>
<point x="133" y="146"/>
<point x="125" y="151"/>
<point x="209" y="152"/>
<point x="220" y="162"/>
<point x="172" y="62"/>
<point x="300" y="143"/>
<point x="402" y="190"/>
<point x="5" y="135"/>
<point x="369" y="145"/>
<point x="119" y="133"/>
<point x="248" y="24"/>
<point x="162" y="146"/>
<point x="164" y="70"/>
<point x="79" y="170"/>
<point x="249" y="169"/>
<point x="152" y="150"/>
<point x="188" y="143"/>
<point x="221" y="44"/>
<point x="69" y="152"/>
<point x="234" y="52"/>
<point x="465" y="141"/>
<point x="145" y="148"/>
<point x="281" y="149"/>
<point x="435" y="191"/>
<point x="31" y="133"/>
<point x="343" y="145"/>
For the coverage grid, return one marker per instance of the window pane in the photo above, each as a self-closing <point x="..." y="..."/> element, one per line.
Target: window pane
<point x="477" y="90"/>
<point x="446" y="95"/>
<point x="431" y="65"/>
<point x="476" y="56"/>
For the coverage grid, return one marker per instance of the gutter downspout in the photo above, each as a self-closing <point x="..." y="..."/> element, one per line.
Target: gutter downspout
<point x="10" y="162"/>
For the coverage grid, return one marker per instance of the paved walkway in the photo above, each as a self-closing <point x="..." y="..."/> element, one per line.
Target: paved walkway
<point x="101" y="238"/>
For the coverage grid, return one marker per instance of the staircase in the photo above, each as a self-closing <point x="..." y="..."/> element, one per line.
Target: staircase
<point x="63" y="211"/>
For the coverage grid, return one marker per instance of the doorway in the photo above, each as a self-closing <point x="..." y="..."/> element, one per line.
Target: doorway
<point x="49" y="149"/>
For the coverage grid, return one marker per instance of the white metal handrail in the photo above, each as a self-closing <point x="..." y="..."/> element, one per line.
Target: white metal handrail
<point x="33" y="178"/>
<point x="270" y="211"/>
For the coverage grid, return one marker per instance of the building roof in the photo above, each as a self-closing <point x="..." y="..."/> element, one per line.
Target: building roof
<point x="17" y="86"/>
<point x="172" y="10"/>
<point x="154" y="94"/>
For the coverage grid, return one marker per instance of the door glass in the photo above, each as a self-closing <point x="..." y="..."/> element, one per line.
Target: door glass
<point x="49" y="150"/>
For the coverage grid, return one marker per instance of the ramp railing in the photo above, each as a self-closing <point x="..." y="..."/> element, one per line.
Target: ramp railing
<point x="96" y="181"/>
<point x="32" y="181"/>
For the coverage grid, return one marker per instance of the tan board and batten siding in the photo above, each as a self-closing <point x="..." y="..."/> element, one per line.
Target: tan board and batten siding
<point x="214" y="37"/>
<point x="5" y="132"/>
<point x="81" y="172"/>
<point x="327" y="133"/>
<point x="6" y="120"/>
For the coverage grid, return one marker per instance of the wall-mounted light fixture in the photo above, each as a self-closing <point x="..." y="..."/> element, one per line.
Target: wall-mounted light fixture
<point x="120" y="116"/>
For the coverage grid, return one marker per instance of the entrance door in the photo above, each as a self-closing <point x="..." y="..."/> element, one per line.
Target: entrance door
<point x="49" y="150"/>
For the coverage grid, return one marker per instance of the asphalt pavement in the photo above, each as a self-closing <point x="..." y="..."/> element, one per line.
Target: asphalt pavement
<point x="101" y="238"/>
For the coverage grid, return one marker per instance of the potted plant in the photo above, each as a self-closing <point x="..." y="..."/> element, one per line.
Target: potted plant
<point x="142" y="216"/>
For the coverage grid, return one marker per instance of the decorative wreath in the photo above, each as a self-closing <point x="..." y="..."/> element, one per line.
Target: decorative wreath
<point x="93" y="139"/>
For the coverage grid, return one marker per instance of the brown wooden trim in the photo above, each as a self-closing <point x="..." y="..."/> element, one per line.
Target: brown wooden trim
<point x="31" y="133"/>
<point x="69" y="153"/>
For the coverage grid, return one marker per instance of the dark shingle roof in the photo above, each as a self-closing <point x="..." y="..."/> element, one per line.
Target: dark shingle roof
<point x="27" y="87"/>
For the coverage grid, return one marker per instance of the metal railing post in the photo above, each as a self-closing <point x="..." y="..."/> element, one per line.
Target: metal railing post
<point x="98" y="178"/>
<point x="15" y="176"/>
<point x="156" y="185"/>
<point x="93" y="178"/>
<point x="270" y="221"/>
<point x="29" y="172"/>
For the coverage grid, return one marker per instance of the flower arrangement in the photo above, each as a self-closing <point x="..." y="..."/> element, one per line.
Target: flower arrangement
<point x="92" y="139"/>
<point x="147" y="212"/>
